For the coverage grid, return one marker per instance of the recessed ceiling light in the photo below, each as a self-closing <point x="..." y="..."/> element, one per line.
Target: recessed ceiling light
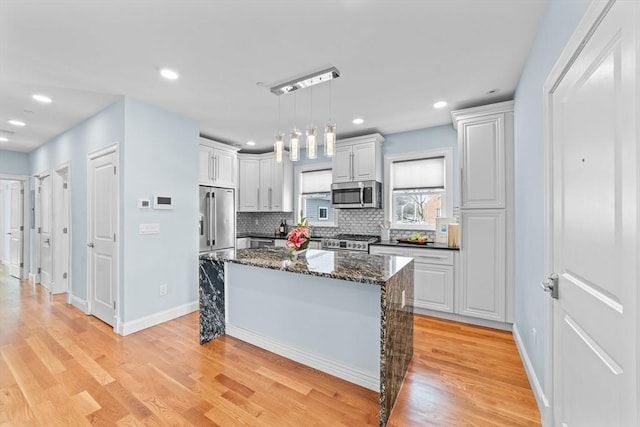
<point x="169" y="74"/>
<point x="357" y="121"/>
<point x="3" y="139"/>
<point x="17" y="123"/>
<point x="251" y="143"/>
<point x="41" y="98"/>
<point x="440" y="104"/>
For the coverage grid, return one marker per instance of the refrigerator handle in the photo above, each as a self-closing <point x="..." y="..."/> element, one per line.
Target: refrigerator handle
<point x="212" y="219"/>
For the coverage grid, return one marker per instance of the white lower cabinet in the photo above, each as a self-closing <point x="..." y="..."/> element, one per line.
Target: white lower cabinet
<point x="483" y="258"/>
<point x="433" y="276"/>
<point x="243" y="243"/>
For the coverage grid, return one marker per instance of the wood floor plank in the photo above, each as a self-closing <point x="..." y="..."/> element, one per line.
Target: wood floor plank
<point x="59" y="366"/>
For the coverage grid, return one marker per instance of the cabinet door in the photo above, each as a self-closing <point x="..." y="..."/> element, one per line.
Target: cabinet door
<point x="482" y="254"/>
<point x="364" y="162"/>
<point x="342" y="164"/>
<point x="205" y="176"/>
<point x="224" y="168"/>
<point x="266" y="184"/>
<point x="482" y="162"/>
<point x="433" y="286"/>
<point x="249" y="185"/>
<point x="277" y="185"/>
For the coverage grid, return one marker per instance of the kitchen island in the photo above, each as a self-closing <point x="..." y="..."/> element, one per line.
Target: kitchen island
<point x="343" y="313"/>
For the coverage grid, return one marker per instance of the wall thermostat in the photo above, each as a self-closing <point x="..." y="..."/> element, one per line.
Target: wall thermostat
<point x="144" y="203"/>
<point x="162" y="202"/>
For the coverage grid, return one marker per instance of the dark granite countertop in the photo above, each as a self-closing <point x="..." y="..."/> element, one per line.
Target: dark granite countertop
<point x="342" y="265"/>
<point x="395" y="243"/>
<point x="266" y="236"/>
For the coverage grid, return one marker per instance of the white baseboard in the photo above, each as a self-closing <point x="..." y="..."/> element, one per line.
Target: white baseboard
<point x="464" y="319"/>
<point x="78" y="303"/>
<point x="541" y="398"/>
<point x="127" y="328"/>
<point x="348" y="373"/>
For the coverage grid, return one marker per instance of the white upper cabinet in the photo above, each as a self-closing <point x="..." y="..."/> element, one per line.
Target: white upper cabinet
<point x="217" y="164"/>
<point x="265" y="185"/>
<point x="358" y="159"/>
<point x="483" y="136"/>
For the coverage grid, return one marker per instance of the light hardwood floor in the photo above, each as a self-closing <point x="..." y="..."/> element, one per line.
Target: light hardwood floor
<point x="59" y="367"/>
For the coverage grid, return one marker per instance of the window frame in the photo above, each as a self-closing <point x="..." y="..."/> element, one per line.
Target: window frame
<point x="298" y="170"/>
<point x="447" y="210"/>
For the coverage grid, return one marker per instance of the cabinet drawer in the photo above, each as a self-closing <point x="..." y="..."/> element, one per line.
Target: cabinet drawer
<point x="431" y="256"/>
<point x="388" y="250"/>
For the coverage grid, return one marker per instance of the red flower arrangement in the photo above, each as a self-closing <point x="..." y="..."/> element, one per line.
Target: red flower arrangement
<point x="298" y="238"/>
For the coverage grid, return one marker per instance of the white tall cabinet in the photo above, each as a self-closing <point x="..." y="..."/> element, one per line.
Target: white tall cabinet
<point x="485" y="142"/>
<point x="217" y="164"/>
<point x="264" y="184"/>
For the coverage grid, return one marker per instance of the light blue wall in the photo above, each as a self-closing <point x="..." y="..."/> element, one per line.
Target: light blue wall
<point x="98" y="131"/>
<point x="160" y="155"/>
<point x="14" y="163"/>
<point x="558" y="23"/>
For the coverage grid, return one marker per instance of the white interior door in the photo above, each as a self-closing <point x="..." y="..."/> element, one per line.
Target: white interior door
<point x="16" y="229"/>
<point x="61" y="230"/>
<point x="595" y="227"/>
<point x="103" y="225"/>
<point x="46" y="246"/>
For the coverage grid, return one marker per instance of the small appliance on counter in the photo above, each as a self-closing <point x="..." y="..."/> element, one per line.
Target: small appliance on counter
<point x="217" y="219"/>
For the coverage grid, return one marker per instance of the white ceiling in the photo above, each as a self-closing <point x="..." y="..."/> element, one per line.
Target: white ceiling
<point x="397" y="57"/>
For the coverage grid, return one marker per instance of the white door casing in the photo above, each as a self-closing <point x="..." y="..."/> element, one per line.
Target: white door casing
<point x="16" y="229"/>
<point x="45" y="231"/>
<point x="103" y="225"/>
<point x="593" y="140"/>
<point x="61" y="230"/>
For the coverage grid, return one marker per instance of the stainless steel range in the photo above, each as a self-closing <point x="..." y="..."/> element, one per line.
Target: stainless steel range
<point x="349" y="242"/>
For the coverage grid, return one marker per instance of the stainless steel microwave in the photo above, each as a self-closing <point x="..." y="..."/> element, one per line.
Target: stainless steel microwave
<point x="362" y="194"/>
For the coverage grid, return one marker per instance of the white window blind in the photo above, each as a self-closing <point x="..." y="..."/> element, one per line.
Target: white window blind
<point x="318" y="181"/>
<point x="419" y="173"/>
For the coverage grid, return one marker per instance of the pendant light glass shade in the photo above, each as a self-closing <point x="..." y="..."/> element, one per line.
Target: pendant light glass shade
<point x="312" y="145"/>
<point x="329" y="139"/>
<point x="294" y="145"/>
<point x="278" y="147"/>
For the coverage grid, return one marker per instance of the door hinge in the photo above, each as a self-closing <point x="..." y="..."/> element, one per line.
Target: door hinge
<point x="114" y="169"/>
<point x="22" y="192"/>
<point x="114" y="305"/>
<point x="39" y="270"/>
<point x="65" y="230"/>
<point x="39" y="229"/>
<point x="64" y="275"/>
<point x="64" y="185"/>
<point x="21" y="264"/>
<point x="22" y="228"/>
<point x="39" y="188"/>
<point x="114" y="237"/>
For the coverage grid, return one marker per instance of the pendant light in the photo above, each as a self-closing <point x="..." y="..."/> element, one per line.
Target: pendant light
<point x="329" y="132"/>
<point x="294" y="141"/>
<point x="312" y="132"/>
<point x="278" y="144"/>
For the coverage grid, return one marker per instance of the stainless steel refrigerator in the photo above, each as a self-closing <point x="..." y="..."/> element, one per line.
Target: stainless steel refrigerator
<point x="217" y="219"/>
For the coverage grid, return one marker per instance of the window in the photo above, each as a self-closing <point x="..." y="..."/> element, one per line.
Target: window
<point x="418" y="189"/>
<point x="315" y="196"/>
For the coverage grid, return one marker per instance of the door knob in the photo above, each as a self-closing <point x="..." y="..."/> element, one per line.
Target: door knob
<point x="551" y="285"/>
<point x="91" y="245"/>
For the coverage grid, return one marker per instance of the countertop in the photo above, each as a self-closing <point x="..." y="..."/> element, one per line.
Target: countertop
<point x="341" y="265"/>
<point x="395" y="243"/>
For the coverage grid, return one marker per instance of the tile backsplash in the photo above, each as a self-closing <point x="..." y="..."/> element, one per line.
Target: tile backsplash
<point x="352" y="221"/>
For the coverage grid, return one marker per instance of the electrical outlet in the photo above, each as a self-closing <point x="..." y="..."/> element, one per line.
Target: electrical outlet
<point x="163" y="290"/>
<point x="404" y="299"/>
